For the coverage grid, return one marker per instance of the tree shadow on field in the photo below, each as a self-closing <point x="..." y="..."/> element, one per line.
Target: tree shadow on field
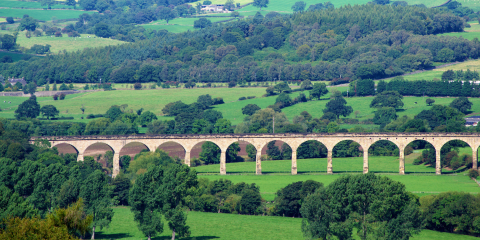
<point x="99" y="235"/>
<point x="189" y="238"/>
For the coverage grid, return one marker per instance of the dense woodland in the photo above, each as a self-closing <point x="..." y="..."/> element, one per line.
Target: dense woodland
<point x="343" y="44"/>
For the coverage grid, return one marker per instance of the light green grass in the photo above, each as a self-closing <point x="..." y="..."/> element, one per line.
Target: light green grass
<point x="430" y="184"/>
<point x="149" y="100"/>
<point x="44" y="15"/>
<point x="21" y="4"/>
<point x="205" y="226"/>
<point x="436" y="74"/>
<point x="66" y="43"/>
<point x="242" y="2"/>
<point x="155" y="100"/>
<point x="473" y="4"/>
<point x="286" y="5"/>
<point x="3" y="19"/>
<point x="170" y="28"/>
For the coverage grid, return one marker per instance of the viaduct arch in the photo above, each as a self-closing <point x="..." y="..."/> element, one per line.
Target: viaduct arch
<point x="81" y="143"/>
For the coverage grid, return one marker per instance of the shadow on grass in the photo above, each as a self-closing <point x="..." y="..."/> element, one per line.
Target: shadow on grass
<point x="99" y="235"/>
<point x="189" y="238"/>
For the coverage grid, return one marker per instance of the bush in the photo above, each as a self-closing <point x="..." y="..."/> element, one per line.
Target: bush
<point x="242" y="98"/>
<point x="10" y="20"/>
<point x="418" y="161"/>
<point x="232" y="84"/>
<point x="62" y="96"/>
<point x="137" y="86"/>
<point x="250" y="97"/>
<point x="408" y="150"/>
<point x="218" y="100"/>
<point x="472" y="173"/>
<point x="55" y="97"/>
<point x="90" y="116"/>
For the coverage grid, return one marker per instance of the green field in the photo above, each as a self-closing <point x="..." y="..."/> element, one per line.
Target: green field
<point x="15" y="56"/>
<point x="319" y="165"/>
<point x="205" y="226"/>
<point x="65" y="43"/>
<point x="21" y="4"/>
<point x="472" y="65"/>
<point x="178" y="25"/>
<point x="286" y="5"/>
<point x="44" y="15"/>
<point x="418" y="184"/>
<point x="154" y="100"/>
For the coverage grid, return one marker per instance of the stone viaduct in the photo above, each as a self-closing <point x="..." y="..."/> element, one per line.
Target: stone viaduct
<point x="223" y="141"/>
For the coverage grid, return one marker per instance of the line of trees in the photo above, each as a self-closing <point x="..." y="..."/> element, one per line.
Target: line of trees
<point x="246" y="50"/>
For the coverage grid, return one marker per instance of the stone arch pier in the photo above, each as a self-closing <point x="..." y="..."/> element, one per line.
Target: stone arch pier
<point x="223" y="141"/>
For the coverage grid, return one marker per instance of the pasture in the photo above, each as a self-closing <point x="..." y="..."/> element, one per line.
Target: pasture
<point x="472" y="65"/>
<point x="469" y="33"/>
<point x="178" y="25"/>
<point x="418" y="184"/>
<point x="44" y="15"/>
<point x="286" y="5"/>
<point x="155" y="99"/>
<point x="37" y="5"/>
<point x="15" y="56"/>
<point x="207" y="226"/>
<point x="66" y="43"/>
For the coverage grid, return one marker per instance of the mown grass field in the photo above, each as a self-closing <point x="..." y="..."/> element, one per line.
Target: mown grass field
<point x="21" y="4"/>
<point x="472" y="65"/>
<point x="179" y="24"/>
<point x="205" y="226"/>
<point x="418" y="184"/>
<point x="154" y="100"/>
<point x="286" y="5"/>
<point x="44" y="15"/>
<point x="65" y="43"/>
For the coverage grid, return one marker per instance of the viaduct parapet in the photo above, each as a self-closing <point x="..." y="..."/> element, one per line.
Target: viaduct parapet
<point x="223" y="141"/>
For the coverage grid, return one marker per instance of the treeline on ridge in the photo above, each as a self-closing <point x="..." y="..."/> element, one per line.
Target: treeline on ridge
<point x="375" y="41"/>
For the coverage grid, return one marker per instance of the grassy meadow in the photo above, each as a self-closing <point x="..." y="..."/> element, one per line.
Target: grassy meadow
<point x="66" y="43"/>
<point x="155" y="99"/>
<point x="15" y="56"/>
<point x="37" y="5"/>
<point x="44" y="15"/>
<point x="205" y="226"/>
<point x="178" y="25"/>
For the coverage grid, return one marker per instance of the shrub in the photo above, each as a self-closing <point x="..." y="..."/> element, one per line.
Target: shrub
<point x="55" y="97"/>
<point x="218" y="100"/>
<point x="242" y="98"/>
<point x="90" y="116"/>
<point x="232" y="84"/>
<point x="250" y="97"/>
<point x="472" y="173"/>
<point x="10" y="20"/>
<point x="137" y="86"/>
<point x="418" y="161"/>
<point x="62" y="96"/>
<point x="408" y="150"/>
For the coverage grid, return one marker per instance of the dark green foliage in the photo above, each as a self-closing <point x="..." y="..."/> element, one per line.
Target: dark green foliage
<point x="442" y="115"/>
<point x="299" y="6"/>
<point x="202" y="23"/>
<point x="122" y="187"/>
<point x="102" y="30"/>
<point x="376" y="206"/>
<point x="311" y="149"/>
<point x="429" y="101"/>
<point x="210" y="153"/>
<point x="462" y="104"/>
<point x="289" y="199"/>
<point x="49" y="111"/>
<point x="384" y="116"/>
<point x="452" y="212"/>
<point x="319" y="89"/>
<point x="347" y="148"/>
<point x="391" y="99"/>
<point x="10" y="20"/>
<point x="384" y="148"/>
<point x="13" y="205"/>
<point x="473" y="173"/>
<point x="250" y="109"/>
<point x="28" y="109"/>
<point x="273" y="151"/>
<point x="283" y="100"/>
<point x="338" y="106"/>
<point x="28" y="23"/>
<point x="113" y="113"/>
<point x="381" y="86"/>
<point x="448" y="75"/>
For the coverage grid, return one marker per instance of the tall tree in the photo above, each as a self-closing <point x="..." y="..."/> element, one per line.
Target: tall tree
<point x="97" y="194"/>
<point x="319" y="89"/>
<point x="49" y="111"/>
<point x="28" y="109"/>
<point x="299" y="6"/>
<point x="162" y="190"/>
<point x="260" y="3"/>
<point x="462" y="104"/>
<point x="391" y="99"/>
<point x="338" y="106"/>
<point x="377" y="207"/>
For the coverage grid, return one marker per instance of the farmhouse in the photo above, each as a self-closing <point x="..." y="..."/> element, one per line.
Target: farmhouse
<point x="214" y="8"/>
<point x="13" y="81"/>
